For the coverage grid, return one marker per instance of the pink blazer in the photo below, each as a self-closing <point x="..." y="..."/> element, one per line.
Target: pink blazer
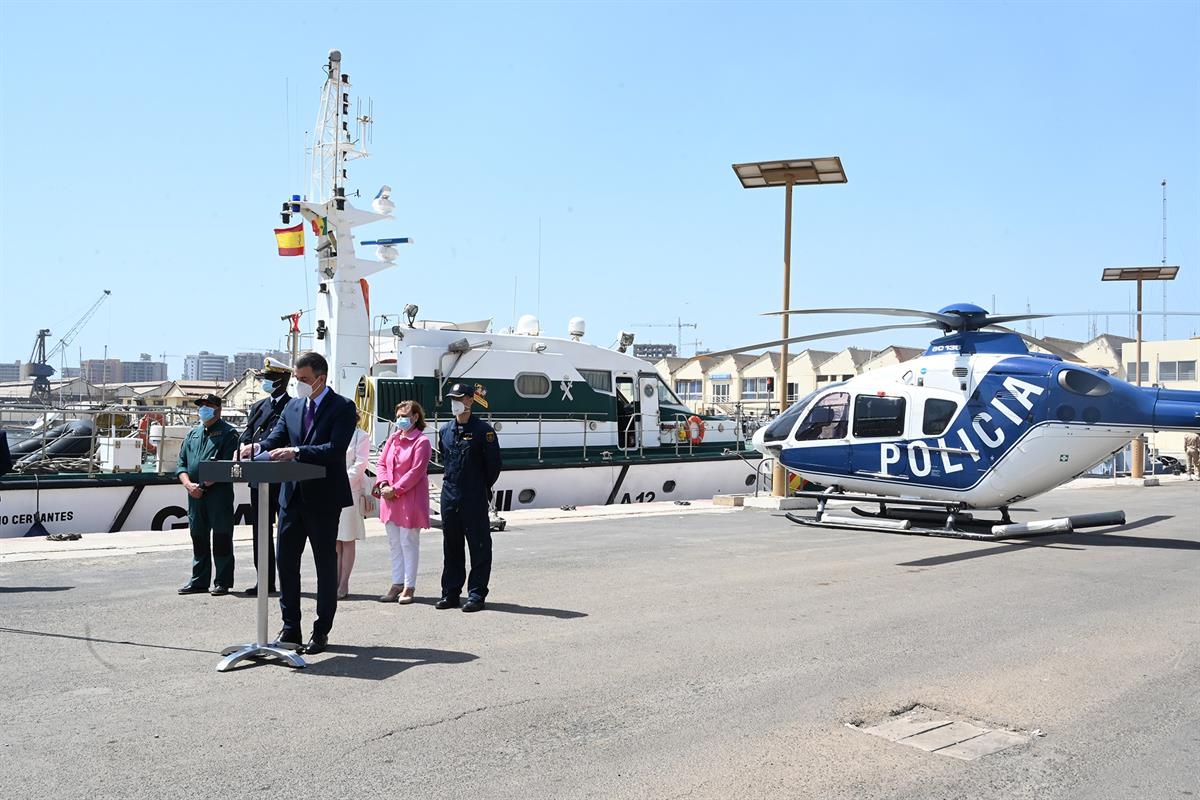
<point x="404" y="464"/>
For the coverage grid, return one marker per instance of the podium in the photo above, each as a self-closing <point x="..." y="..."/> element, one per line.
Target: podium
<point x="262" y="473"/>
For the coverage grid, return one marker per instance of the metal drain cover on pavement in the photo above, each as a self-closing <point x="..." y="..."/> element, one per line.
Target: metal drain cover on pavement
<point x="945" y="734"/>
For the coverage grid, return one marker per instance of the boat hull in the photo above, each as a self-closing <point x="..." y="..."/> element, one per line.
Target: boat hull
<point x="107" y="506"/>
<point x="102" y="506"/>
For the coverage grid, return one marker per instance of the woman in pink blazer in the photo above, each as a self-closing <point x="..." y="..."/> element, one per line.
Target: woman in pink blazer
<point x="402" y="487"/>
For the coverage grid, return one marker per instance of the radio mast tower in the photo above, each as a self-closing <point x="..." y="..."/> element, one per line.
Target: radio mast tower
<point x="342" y="331"/>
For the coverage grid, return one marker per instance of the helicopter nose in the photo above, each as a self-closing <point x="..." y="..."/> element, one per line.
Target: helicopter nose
<point x="758" y="440"/>
<point x="1176" y="409"/>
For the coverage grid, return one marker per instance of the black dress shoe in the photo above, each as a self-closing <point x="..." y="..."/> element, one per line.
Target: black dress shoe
<point x="473" y="604"/>
<point x="446" y="602"/>
<point x="288" y="637"/>
<point x="219" y="591"/>
<point x="253" y="591"/>
<point x="190" y="589"/>
<point x="316" y="644"/>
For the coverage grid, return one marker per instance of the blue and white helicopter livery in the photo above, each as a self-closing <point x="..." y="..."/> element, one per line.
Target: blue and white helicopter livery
<point x="976" y="422"/>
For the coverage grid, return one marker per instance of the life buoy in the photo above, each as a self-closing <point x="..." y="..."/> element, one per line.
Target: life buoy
<point x="695" y="429"/>
<point x="144" y="430"/>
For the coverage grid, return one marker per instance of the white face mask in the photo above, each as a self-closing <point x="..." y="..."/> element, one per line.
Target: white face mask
<point x="457" y="407"/>
<point x="303" y="390"/>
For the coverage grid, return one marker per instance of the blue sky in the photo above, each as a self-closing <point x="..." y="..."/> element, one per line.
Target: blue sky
<point x="1009" y="150"/>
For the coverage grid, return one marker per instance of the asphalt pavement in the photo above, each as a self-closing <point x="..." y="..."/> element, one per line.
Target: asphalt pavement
<point x="683" y="653"/>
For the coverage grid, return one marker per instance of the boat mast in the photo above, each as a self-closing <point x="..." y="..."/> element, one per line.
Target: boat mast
<point x="343" y="323"/>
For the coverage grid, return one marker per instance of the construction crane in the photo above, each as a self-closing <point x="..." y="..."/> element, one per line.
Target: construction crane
<point x="39" y="367"/>
<point x="678" y="324"/>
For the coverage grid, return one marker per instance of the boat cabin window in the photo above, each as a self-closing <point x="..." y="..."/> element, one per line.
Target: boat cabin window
<point x="627" y="408"/>
<point x="598" y="379"/>
<point x="532" y="384"/>
<point x="826" y="420"/>
<point x="666" y="397"/>
<point x="938" y="416"/>
<point x="876" y="416"/>
<point x="625" y="390"/>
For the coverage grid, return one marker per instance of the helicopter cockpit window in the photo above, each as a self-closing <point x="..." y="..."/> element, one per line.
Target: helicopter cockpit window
<point x="876" y="416"/>
<point x="781" y="426"/>
<point x="826" y="420"/>
<point x="938" y="416"/>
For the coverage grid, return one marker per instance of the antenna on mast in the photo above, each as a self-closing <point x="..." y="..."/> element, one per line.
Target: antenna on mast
<point x="365" y="123"/>
<point x="1164" y="258"/>
<point x="332" y="144"/>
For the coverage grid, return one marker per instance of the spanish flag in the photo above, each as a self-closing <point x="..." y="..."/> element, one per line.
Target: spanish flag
<point x="290" y="240"/>
<point x="320" y="225"/>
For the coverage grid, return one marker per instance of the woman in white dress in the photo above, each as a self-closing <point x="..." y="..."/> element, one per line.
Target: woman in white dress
<point x="350" y="524"/>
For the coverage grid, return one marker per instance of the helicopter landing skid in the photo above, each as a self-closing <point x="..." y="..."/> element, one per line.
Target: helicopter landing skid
<point x="913" y="517"/>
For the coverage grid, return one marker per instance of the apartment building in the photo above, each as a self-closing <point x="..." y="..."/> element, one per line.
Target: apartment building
<point x="205" y="366"/>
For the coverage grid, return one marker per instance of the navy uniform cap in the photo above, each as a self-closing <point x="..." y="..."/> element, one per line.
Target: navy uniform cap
<point x="476" y="392"/>
<point x="274" y="368"/>
<point x="210" y="399"/>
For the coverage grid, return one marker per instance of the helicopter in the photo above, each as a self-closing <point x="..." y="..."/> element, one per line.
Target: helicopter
<point x="977" y="422"/>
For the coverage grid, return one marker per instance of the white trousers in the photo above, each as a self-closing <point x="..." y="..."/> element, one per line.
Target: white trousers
<point x="405" y="544"/>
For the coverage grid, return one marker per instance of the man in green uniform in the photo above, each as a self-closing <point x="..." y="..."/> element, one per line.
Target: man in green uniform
<point x="210" y="506"/>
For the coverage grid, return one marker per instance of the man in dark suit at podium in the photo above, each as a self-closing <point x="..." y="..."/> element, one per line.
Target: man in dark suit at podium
<point x="259" y="424"/>
<point x="314" y="428"/>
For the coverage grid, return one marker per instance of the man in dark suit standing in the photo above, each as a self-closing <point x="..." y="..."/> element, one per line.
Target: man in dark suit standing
<point x="259" y="424"/>
<point x="314" y="428"/>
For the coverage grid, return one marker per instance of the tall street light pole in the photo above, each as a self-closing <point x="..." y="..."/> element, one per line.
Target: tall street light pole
<point x="1139" y="274"/>
<point x="802" y="172"/>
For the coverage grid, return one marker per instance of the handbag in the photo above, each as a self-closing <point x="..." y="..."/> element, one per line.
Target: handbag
<point x="368" y="506"/>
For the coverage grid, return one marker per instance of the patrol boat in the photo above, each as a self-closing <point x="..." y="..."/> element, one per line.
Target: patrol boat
<point x="578" y="424"/>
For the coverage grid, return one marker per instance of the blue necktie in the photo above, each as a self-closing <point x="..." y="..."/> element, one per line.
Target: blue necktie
<point x="309" y="412"/>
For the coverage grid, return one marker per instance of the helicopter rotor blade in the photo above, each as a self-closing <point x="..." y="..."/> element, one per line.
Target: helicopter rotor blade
<point x="1015" y="317"/>
<point x="947" y="319"/>
<point x="816" y="336"/>
<point x="1125" y="313"/>
<point x="1065" y="355"/>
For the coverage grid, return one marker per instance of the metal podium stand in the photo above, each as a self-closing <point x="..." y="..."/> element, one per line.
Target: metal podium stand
<point x="263" y="473"/>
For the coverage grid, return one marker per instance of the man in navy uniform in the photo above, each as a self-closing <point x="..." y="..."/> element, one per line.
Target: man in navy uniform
<point x="259" y="423"/>
<point x="471" y="459"/>
<point x="314" y="428"/>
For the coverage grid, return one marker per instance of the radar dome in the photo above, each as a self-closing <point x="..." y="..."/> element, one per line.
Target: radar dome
<point x="383" y="201"/>
<point x="528" y="325"/>
<point x="576" y="328"/>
